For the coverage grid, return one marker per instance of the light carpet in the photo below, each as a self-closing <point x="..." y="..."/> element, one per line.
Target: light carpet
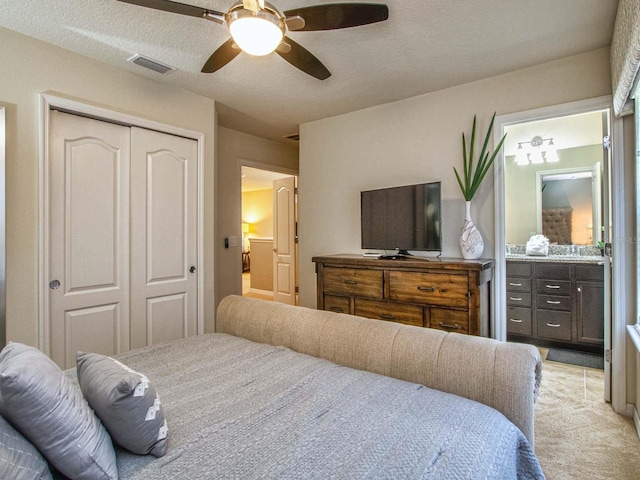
<point x="578" y="435"/>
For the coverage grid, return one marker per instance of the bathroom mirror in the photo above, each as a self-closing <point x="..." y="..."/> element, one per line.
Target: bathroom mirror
<point x="568" y="208"/>
<point x="552" y="180"/>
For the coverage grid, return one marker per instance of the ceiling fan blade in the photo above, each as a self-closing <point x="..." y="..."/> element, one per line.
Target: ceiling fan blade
<point x="301" y="58"/>
<point x="175" y="7"/>
<point x="223" y="55"/>
<point x="339" y="15"/>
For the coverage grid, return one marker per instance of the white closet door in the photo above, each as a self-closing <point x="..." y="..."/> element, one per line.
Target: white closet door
<point x="163" y="237"/>
<point x="88" y="205"/>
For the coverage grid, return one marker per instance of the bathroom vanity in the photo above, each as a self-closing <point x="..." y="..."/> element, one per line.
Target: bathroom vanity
<point x="556" y="301"/>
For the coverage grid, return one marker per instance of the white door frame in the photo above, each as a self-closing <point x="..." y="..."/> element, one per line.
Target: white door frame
<point x="619" y="310"/>
<point x="47" y="102"/>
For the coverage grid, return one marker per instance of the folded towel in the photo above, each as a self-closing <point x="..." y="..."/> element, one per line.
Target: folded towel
<point x="538" y="245"/>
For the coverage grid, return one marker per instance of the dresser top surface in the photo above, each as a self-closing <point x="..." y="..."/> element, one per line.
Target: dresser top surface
<point x="407" y="262"/>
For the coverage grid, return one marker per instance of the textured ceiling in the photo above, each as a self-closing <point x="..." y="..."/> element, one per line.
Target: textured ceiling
<point x="424" y="46"/>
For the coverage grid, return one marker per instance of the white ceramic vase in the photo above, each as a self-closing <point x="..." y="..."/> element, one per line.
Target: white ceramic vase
<point x="471" y="243"/>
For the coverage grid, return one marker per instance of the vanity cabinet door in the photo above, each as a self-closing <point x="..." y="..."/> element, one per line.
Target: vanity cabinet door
<point x="590" y="312"/>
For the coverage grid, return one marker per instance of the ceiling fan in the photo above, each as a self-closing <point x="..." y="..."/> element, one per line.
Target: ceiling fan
<point x="258" y="28"/>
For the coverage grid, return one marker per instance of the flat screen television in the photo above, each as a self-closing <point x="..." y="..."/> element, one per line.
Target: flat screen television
<point x="402" y="218"/>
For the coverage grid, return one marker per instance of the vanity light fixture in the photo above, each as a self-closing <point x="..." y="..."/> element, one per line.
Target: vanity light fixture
<point x="535" y="151"/>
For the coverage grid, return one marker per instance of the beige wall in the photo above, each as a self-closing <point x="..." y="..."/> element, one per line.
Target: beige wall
<point x="257" y="210"/>
<point x="30" y="67"/>
<point x="417" y="140"/>
<point x="235" y="149"/>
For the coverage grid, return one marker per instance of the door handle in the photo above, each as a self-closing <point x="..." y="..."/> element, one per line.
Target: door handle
<point x="192" y="269"/>
<point x="553" y="286"/>
<point x="427" y="289"/>
<point x="551" y="302"/>
<point x="54" y="284"/>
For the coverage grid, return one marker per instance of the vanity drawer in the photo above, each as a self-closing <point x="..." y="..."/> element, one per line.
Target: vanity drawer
<point x="518" y="284"/>
<point x="554" y="325"/>
<point x="518" y="269"/>
<point x="590" y="273"/>
<point x="553" y="302"/>
<point x="516" y="299"/>
<point x="389" y="311"/>
<point x="553" y="287"/>
<point x="431" y="288"/>
<point x="553" y="271"/>
<point x="353" y="281"/>
<point x="335" y="303"/>
<point x="448" y="320"/>
<point x="519" y="320"/>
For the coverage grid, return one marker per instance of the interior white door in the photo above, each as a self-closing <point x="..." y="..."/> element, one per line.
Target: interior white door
<point x="284" y="240"/>
<point x="88" y="237"/>
<point x="163" y="237"/>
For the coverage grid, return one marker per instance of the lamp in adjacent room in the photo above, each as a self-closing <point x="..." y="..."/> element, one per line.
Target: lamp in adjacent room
<point x="245" y="230"/>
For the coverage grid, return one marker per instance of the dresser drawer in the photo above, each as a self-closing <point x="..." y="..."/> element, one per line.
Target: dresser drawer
<point x="390" y="311"/>
<point x="554" y="325"/>
<point x="448" y="320"/>
<point x="353" y="281"/>
<point x="519" y="320"/>
<point x="430" y="288"/>
<point x="516" y="299"/>
<point x="552" y="302"/>
<point x="553" y="271"/>
<point x="337" y="304"/>
<point x="553" y="287"/>
<point x="515" y="284"/>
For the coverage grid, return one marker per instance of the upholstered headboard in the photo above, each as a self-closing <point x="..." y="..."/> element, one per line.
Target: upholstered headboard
<point x="556" y="225"/>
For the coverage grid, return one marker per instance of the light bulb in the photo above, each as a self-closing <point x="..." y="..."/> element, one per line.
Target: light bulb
<point x="255" y="33"/>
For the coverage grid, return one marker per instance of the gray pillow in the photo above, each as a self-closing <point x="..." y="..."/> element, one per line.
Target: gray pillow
<point x="19" y="460"/>
<point x="41" y="402"/>
<point x="126" y="403"/>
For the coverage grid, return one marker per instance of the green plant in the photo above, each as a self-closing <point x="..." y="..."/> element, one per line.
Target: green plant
<point x="473" y="177"/>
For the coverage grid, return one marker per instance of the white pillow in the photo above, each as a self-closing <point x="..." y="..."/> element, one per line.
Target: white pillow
<point x="40" y="401"/>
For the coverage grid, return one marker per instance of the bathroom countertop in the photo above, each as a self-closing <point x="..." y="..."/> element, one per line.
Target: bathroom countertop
<point x="556" y="258"/>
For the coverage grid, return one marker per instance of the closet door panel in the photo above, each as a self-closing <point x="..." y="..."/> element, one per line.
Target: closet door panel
<point x="163" y="234"/>
<point x="88" y="234"/>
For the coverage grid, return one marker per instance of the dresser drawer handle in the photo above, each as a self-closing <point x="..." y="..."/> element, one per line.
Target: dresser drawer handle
<point x="551" y="302"/>
<point x="517" y="299"/>
<point x="387" y="317"/>
<point x="555" y="287"/>
<point x="515" y="284"/>
<point x="554" y="325"/>
<point x="515" y="320"/>
<point x="351" y="282"/>
<point x="336" y="309"/>
<point x="427" y="289"/>
<point x="453" y="327"/>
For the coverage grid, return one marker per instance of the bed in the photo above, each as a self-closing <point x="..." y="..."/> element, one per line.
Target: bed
<point x="291" y="393"/>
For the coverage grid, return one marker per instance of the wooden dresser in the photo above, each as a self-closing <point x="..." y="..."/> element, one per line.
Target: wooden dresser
<point x="447" y="294"/>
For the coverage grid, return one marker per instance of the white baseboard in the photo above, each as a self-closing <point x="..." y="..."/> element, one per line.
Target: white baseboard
<point x="261" y="292"/>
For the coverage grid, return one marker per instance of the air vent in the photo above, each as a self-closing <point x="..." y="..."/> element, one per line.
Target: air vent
<point x="294" y="136"/>
<point x="151" y="64"/>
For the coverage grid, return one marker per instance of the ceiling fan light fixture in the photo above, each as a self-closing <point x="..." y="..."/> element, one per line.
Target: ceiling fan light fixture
<point x="256" y="33"/>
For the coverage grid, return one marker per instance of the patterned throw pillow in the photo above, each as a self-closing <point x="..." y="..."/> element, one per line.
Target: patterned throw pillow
<point x="41" y="402"/>
<point x="125" y="401"/>
<point x="19" y="460"/>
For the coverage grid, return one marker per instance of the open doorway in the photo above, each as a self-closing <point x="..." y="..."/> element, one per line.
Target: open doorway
<point x="579" y="313"/>
<point x="263" y="229"/>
